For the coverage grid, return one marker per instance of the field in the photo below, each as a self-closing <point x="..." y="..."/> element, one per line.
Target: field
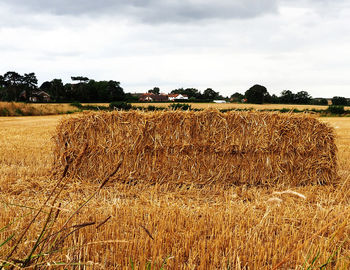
<point x="20" y="109"/>
<point x="154" y="227"/>
<point x="240" y="106"/>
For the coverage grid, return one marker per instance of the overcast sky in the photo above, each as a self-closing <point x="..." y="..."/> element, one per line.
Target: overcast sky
<point x="228" y="45"/>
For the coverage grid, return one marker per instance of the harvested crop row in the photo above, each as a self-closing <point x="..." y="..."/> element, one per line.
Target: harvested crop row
<point x="205" y="147"/>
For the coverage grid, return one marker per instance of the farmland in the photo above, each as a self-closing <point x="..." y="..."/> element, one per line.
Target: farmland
<point x="221" y="106"/>
<point x="185" y="228"/>
<point x="20" y="109"/>
<point x="226" y="106"/>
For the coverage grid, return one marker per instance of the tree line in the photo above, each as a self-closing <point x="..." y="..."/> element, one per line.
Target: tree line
<point x="258" y="94"/>
<point x="194" y="94"/>
<point x="17" y="87"/>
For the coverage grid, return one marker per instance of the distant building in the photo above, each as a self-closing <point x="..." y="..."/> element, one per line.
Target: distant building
<point x="136" y="94"/>
<point x="153" y="97"/>
<point x="219" y="101"/>
<point x="173" y="97"/>
<point x="35" y="96"/>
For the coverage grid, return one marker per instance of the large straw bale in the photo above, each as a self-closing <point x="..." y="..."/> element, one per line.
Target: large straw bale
<point x="253" y="148"/>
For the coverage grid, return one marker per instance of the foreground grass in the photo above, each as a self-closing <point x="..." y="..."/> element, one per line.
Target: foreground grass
<point x="174" y="228"/>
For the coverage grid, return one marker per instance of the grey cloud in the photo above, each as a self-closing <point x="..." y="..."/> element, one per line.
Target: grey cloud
<point x="151" y="11"/>
<point x="320" y="6"/>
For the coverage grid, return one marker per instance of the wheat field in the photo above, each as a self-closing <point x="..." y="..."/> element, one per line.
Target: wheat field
<point x="166" y="227"/>
<point x="222" y="106"/>
<point x="32" y="109"/>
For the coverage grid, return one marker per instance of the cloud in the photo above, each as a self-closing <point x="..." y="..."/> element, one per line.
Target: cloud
<point x="150" y="11"/>
<point x="322" y="7"/>
<point x="228" y="45"/>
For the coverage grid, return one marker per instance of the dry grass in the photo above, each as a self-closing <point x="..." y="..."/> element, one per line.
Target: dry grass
<point x="200" y="147"/>
<point x="207" y="228"/>
<point x="221" y="106"/>
<point x="239" y="106"/>
<point x="20" y="109"/>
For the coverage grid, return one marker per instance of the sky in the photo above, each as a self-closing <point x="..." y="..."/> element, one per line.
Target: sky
<point x="227" y="45"/>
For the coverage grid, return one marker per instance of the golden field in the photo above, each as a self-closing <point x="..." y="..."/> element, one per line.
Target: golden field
<point x="35" y="109"/>
<point x="19" y="109"/>
<point x="174" y="228"/>
<point x="221" y="106"/>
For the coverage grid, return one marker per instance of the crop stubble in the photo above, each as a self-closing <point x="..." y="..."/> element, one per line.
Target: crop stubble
<point x="207" y="227"/>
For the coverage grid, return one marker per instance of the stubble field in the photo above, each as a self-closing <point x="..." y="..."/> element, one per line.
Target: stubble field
<point x="223" y="106"/>
<point x="174" y="228"/>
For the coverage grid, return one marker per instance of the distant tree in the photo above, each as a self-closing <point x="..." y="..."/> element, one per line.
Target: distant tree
<point x="155" y="91"/>
<point x="339" y="101"/>
<point x="319" y="101"/>
<point x="68" y="92"/>
<point x="30" y="80"/>
<point x="336" y="109"/>
<point x="79" y="92"/>
<point x="13" y="84"/>
<point x="267" y="98"/>
<point x="45" y="86"/>
<point x="287" y="97"/>
<point x="210" y="94"/>
<point x="55" y="89"/>
<point x="131" y="98"/>
<point x="274" y="99"/>
<point x="81" y="79"/>
<point x="2" y="87"/>
<point x="236" y="97"/>
<point x="256" y="94"/>
<point x="116" y="92"/>
<point x="12" y="78"/>
<point x="29" y="84"/>
<point x="92" y="90"/>
<point x="302" y="97"/>
<point x="190" y="92"/>
<point x="16" y="87"/>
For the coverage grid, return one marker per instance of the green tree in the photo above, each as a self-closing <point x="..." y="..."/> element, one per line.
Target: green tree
<point x="190" y="92"/>
<point x="13" y="82"/>
<point x="256" y="94"/>
<point x="29" y="84"/>
<point x="339" y="101"/>
<point x="2" y="88"/>
<point x="319" y="101"/>
<point x="273" y="99"/>
<point x="287" y="97"/>
<point x="155" y="91"/>
<point x="302" y="97"/>
<point x="210" y="94"/>
<point x="30" y="80"/>
<point x="55" y="89"/>
<point x="46" y="86"/>
<point x="81" y="79"/>
<point x="68" y="92"/>
<point x="116" y="92"/>
<point x="236" y="97"/>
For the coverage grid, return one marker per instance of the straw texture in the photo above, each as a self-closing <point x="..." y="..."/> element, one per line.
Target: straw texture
<point x="183" y="147"/>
